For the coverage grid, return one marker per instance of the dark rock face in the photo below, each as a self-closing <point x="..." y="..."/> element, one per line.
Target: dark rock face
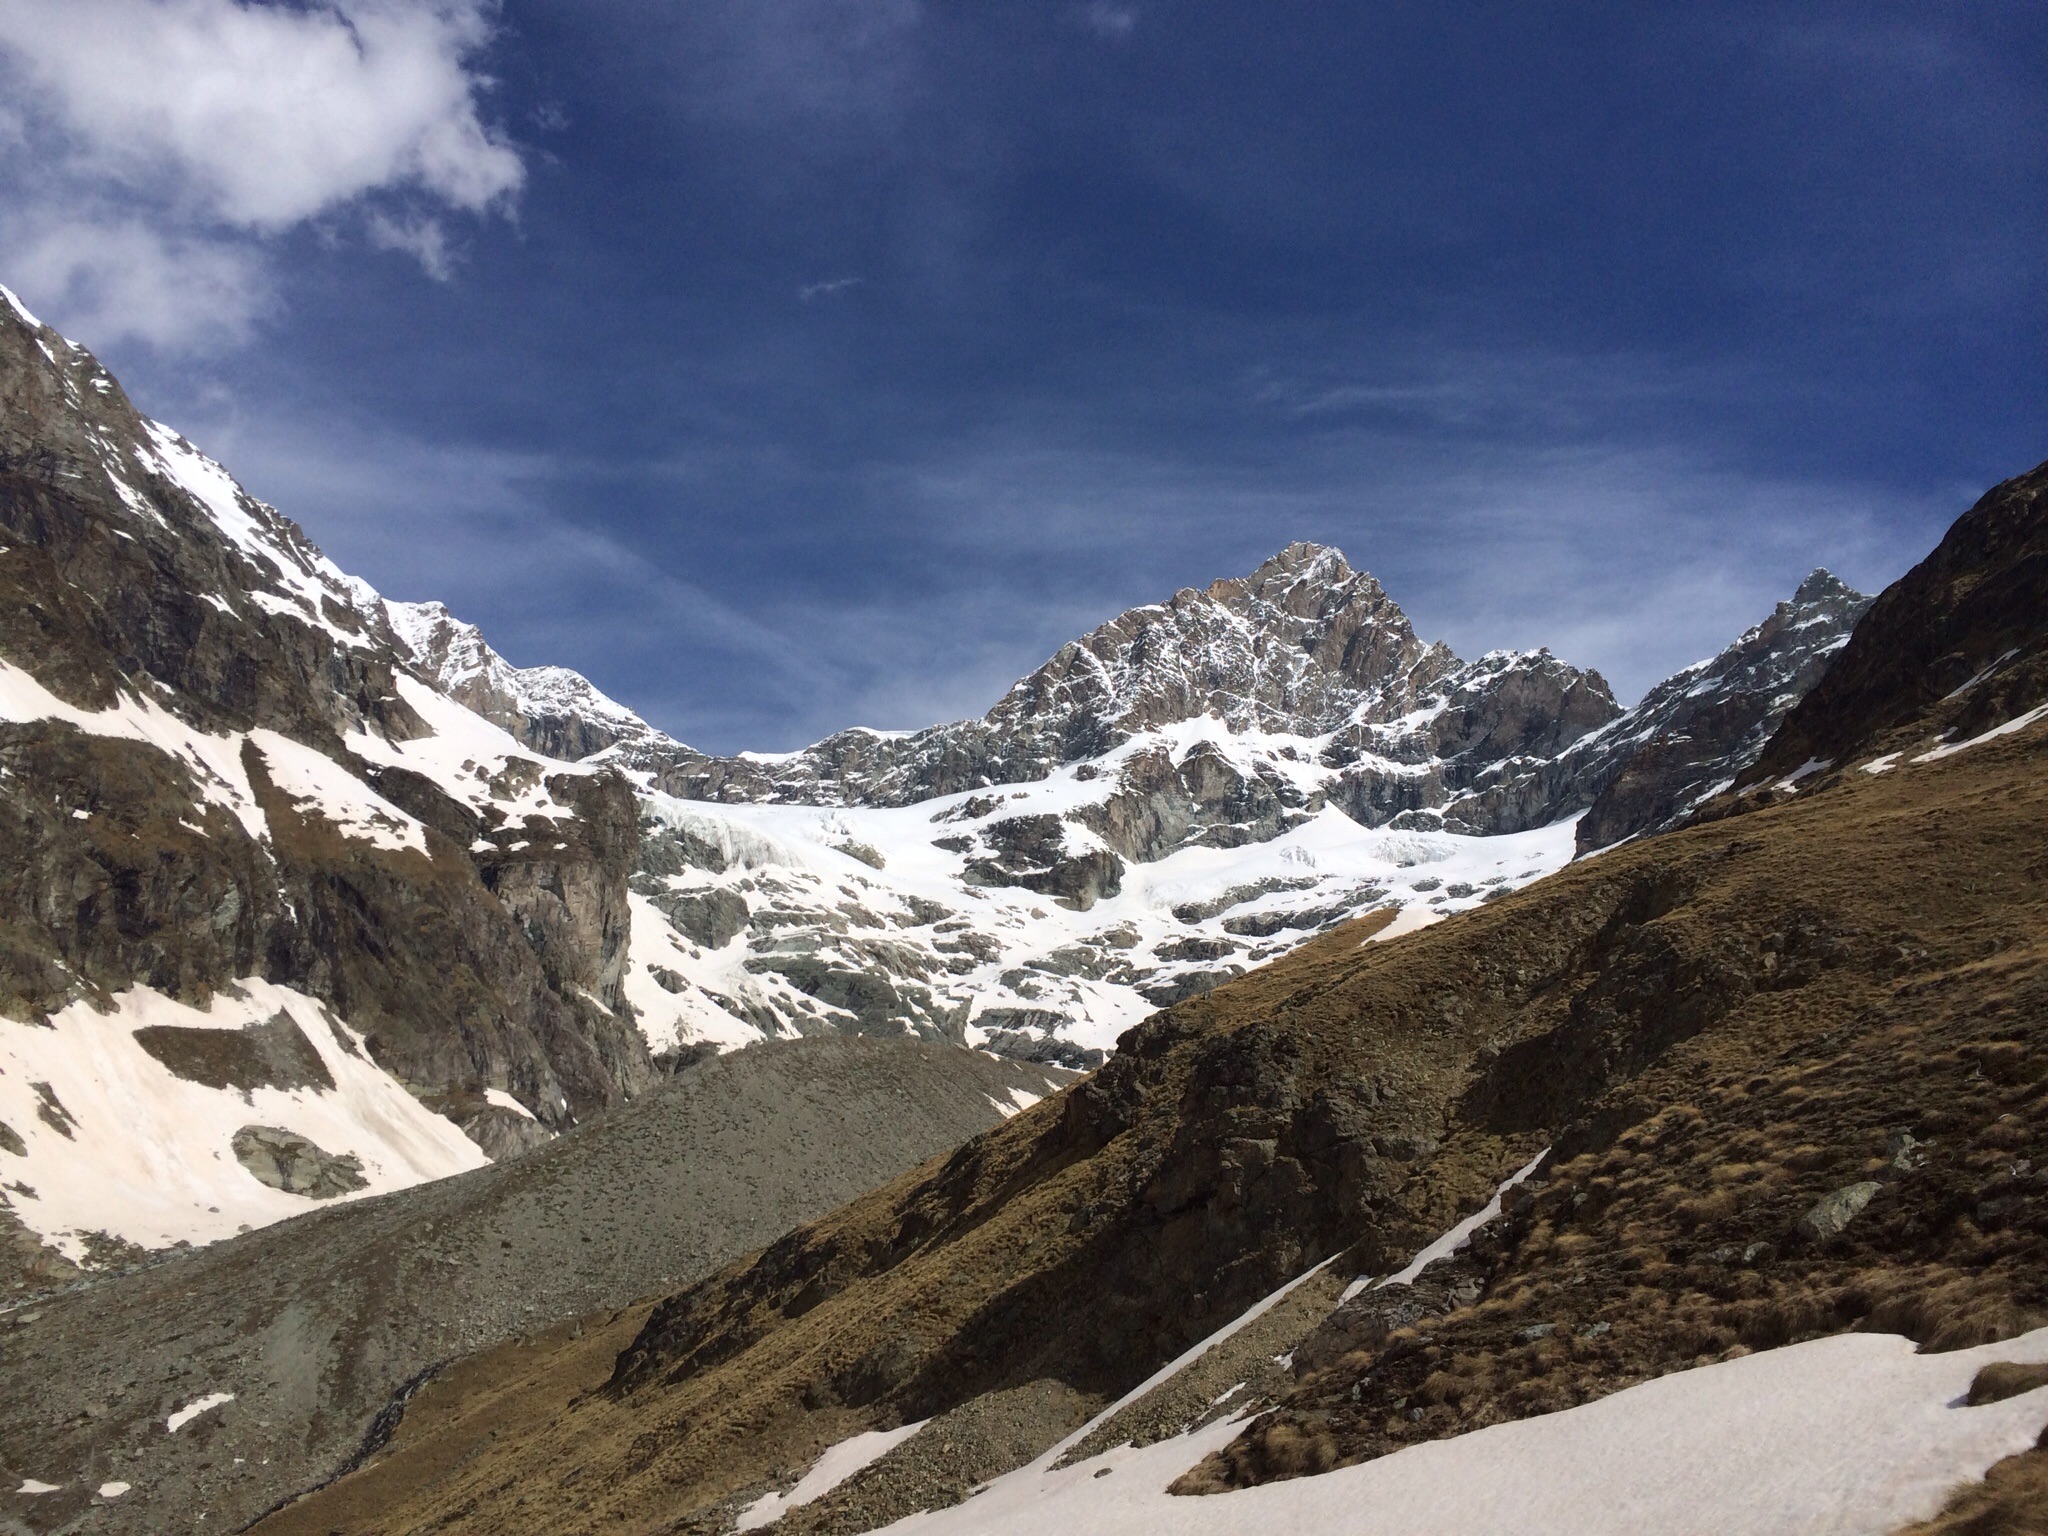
<point x="1030" y="852"/>
<point x="273" y="1054"/>
<point x="711" y="918"/>
<point x="1160" y="805"/>
<point x="1044" y="1050"/>
<point x="138" y="583"/>
<point x="1960" y="642"/>
<point x="1694" y="732"/>
<point x="1186" y="985"/>
<point x="499" y="1131"/>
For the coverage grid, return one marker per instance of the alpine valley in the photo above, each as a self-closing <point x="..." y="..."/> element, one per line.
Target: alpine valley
<point x="270" y="833"/>
<point x="432" y="1098"/>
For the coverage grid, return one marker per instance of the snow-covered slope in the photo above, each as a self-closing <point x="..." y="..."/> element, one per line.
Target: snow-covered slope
<point x="553" y="711"/>
<point x="791" y="918"/>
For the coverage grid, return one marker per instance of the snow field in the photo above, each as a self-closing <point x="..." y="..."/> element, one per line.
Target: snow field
<point x="148" y="1158"/>
<point x="1853" y="1435"/>
<point x="1328" y="860"/>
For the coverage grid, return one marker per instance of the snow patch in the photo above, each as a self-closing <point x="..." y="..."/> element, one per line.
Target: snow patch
<point x="19" y="308"/>
<point x="1410" y="919"/>
<point x="504" y="1100"/>
<point x="1461" y="1234"/>
<point x="1179" y="1363"/>
<point x="828" y="1472"/>
<point x="317" y="783"/>
<point x="2016" y="724"/>
<point x="196" y="1407"/>
<point x="1805" y="770"/>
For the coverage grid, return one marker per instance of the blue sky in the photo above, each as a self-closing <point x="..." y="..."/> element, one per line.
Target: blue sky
<point x="785" y="366"/>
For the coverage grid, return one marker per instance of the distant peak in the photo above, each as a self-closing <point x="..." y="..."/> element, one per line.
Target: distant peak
<point x="1822" y="585"/>
<point x="1300" y="563"/>
<point x="1302" y="556"/>
<point x="20" y="309"/>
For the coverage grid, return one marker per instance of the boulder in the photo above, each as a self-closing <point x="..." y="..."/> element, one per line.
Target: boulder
<point x="288" y="1161"/>
<point x="1835" y="1211"/>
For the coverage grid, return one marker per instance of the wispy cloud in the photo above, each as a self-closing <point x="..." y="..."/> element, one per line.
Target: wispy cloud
<point x="156" y="146"/>
<point x="119" y="275"/>
<point x="1633" y="557"/>
<point x="1116" y="21"/>
<point x="420" y="238"/>
<point x="810" y="291"/>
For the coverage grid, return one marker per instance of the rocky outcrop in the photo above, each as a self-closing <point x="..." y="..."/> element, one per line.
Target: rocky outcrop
<point x="288" y="1161"/>
<point x="1159" y="804"/>
<point x="1031" y="852"/>
<point x="1693" y="733"/>
<point x="1959" y="644"/>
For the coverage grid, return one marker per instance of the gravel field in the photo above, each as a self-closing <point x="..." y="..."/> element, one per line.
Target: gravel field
<point x="316" y="1325"/>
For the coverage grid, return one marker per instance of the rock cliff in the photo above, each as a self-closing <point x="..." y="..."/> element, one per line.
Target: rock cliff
<point x="219" y="771"/>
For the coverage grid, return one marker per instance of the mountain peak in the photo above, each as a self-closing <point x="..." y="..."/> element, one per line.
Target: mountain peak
<point x="555" y="711"/>
<point x="1823" y="586"/>
<point x="1301" y="579"/>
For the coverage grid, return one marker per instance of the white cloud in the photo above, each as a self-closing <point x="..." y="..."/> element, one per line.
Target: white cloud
<point x="121" y="277"/>
<point x="268" y="115"/>
<point x="156" y="144"/>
